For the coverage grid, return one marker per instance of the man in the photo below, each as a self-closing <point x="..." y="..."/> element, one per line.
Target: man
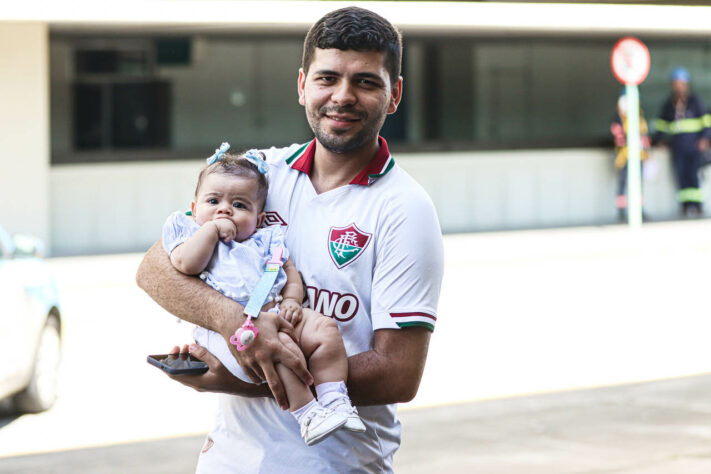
<point x="685" y="124"/>
<point x="367" y="241"/>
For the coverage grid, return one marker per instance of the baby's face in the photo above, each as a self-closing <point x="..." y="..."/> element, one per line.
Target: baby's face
<point x="229" y="197"/>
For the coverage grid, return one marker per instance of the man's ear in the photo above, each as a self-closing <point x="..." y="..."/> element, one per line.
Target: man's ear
<point x="395" y="96"/>
<point x="192" y="209"/>
<point x="260" y="219"/>
<point x="300" y="85"/>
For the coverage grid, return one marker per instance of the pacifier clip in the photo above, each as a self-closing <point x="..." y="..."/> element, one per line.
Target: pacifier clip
<point x="245" y="335"/>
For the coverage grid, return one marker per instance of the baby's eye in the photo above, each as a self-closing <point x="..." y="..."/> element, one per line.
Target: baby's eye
<point x="239" y="205"/>
<point x="212" y="201"/>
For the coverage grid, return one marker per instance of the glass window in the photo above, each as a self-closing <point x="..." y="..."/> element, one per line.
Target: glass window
<point x="154" y="97"/>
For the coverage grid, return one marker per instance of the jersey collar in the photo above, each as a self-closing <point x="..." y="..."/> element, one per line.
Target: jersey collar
<point x="303" y="160"/>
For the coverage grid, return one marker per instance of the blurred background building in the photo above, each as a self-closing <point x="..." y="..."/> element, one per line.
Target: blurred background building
<point x="108" y="109"/>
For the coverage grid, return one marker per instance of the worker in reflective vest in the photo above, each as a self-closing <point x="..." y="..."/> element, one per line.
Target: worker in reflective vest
<point x="685" y="124"/>
<point x="619" y="133"/>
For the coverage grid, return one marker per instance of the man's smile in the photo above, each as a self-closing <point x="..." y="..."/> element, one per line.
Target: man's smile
<point x="340" y="116"/>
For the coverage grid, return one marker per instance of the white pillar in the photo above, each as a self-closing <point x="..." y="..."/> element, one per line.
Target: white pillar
<point x="24" y="128"/>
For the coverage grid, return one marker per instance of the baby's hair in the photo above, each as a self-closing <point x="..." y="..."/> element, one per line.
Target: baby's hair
<point x="237" y="165"/>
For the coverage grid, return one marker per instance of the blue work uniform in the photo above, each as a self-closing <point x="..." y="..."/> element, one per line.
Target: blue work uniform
<point x="683" y="127"/>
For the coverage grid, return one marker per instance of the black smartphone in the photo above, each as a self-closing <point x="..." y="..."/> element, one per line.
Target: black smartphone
<point x="178" y="364"/>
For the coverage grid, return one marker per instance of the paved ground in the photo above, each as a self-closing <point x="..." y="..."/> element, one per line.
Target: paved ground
<point x="522" y="313"/>
<point x="651" y="428"/>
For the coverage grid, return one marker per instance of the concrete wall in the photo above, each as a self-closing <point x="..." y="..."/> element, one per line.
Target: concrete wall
<point x="109" y="208"/>
<point x="528" y="189"/>
<point x="24" y="129"/>
<point x="122" y="207"/>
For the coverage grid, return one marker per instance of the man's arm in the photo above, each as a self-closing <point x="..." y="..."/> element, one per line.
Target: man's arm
<point x="406" y="284"/>
<point x="391" y="372"/>
<point x="191" y="300"/>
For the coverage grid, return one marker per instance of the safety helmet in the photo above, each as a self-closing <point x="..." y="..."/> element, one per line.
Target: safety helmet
<point x="680" y="74"/>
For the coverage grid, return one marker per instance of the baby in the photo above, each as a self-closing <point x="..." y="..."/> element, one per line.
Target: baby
<point x="223" y="241"/>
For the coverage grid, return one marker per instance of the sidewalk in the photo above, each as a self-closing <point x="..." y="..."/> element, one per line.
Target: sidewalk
<point x="545" y="310"/>
<point x="651" y="428"/>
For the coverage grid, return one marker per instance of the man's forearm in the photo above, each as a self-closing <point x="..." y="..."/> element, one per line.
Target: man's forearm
<point x="185" y="296"/>
<point x="391" y="372"/>
<point x="231" y="385"/>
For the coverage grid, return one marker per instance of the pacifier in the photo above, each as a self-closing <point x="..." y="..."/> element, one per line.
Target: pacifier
<point x="245" y="335"/>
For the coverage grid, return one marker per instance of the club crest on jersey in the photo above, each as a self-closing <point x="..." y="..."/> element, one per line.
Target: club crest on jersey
<point x="345" y="244"/>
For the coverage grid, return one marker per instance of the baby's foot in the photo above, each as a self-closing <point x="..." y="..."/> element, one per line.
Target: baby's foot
<point x="353" y="422"/>
<point x="320" y="422"/>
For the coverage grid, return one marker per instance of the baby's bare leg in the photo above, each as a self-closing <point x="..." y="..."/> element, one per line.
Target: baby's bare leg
<point x="324" y="350"/>
<point x="323" y="347"/>
<point x="296" y="391"/>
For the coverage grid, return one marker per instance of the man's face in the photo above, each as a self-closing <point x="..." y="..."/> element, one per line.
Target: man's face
<point x="347" y="95"/>
<point x="680" y="88"/>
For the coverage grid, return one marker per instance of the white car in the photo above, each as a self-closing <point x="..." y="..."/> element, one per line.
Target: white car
<point x="30" y="325"/>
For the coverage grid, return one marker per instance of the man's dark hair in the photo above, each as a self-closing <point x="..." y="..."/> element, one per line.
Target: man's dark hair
<point x="237" y="165"/>
<point x="356" y="29"/>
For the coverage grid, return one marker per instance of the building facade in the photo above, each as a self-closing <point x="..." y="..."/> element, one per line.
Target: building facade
<point x="505" y="117"/>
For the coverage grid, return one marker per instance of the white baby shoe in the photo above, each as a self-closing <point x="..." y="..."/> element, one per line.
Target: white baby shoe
<point x="320" y="422"/>
<point x="343" y="405"/>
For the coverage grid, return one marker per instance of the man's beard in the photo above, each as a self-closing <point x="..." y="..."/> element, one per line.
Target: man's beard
<point x="341" y="144"/>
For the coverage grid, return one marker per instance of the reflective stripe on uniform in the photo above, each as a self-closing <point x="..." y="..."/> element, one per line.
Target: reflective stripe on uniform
<point x="662" y="125"/>
<point x="689" y="125"/>
<point x="690" y="195"/>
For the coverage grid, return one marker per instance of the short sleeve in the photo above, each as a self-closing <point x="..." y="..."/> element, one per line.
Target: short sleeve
<point x="268" y="239"/>
<point x="276" y="155"/>
<point x="177" y="229"/>
<point x="278" y="242"/>
<point x="409" y="265"/>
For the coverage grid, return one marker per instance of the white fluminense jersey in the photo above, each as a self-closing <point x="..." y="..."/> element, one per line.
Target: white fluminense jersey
<point x="370" y="254"/>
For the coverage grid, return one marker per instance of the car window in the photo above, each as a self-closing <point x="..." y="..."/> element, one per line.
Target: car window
<point x="6" y="245"/>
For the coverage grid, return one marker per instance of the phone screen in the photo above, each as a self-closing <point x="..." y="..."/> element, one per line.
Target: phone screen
<point x="178" y="363"/>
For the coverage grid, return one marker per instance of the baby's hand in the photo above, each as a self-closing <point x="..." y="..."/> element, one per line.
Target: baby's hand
<point x="226" y="230"/>
<point x="290" y="310"/>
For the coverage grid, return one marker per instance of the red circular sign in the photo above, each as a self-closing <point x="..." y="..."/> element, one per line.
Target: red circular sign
<point x="630" y="61"/>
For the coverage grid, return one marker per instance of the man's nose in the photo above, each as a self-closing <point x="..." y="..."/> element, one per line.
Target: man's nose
<point x="343" y="93"/>
<point x="225" y="207"/>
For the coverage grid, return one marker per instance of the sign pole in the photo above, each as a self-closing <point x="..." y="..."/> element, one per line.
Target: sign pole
<point x="630" y="63"/>
<point x="634" y="175"/>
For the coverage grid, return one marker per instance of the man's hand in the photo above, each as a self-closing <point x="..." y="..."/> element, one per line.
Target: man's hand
<point x="703" y="144"/>
<point x="291" y="310"/>
<point x="226" y="229"/>
<point x="217" y="378"/>
<point x="259" y="358"/>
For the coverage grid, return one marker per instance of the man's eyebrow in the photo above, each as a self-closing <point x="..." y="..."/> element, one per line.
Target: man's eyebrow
<point x="327" y="72"/>
<point x="368" y="75"/>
